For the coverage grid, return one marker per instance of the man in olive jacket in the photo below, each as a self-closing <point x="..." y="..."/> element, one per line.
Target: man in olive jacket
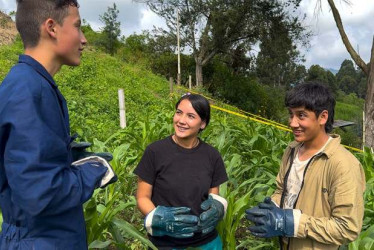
<point x="318" y="202"/>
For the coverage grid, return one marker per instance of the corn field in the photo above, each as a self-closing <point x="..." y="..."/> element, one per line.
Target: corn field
<point x="251" y="151"/>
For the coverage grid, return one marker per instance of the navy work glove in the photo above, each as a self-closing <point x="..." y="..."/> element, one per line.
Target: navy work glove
<point x="214" y="210"/>
<point x="78" y="150"/>
<point x="175" y="222"/>
<point x="96" y="161"/>
<point x="270" y="220"/>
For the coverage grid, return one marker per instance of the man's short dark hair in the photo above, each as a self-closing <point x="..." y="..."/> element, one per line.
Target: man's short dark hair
<point x="32" y="13"/>
<point x="315" y="97"/>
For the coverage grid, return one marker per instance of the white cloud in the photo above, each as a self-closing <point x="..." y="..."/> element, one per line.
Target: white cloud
<point x="7" y="6"/>
<point x="129" y="13"/>
<point x="327" y="48"/>
<point x="150" y="20"/>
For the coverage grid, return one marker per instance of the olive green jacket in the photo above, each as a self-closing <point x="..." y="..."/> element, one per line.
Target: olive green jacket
<point x="330" y="199"/>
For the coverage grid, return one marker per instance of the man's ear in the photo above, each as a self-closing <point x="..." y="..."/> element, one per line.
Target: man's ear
<point x="323" y="117"/>
<point x="50" y="27"/>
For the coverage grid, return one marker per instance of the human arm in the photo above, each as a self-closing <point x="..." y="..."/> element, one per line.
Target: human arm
<point x="36" y="157"/>
<point x="343" y="223"/>
<point x="270" y="220"/>
<point x="79" y="151"/>
<point x="345" y="196"/>
<point x="97" y="161"/>
<point x="143" y="197"/>
<point x="214" y="190"/>
<point x="175" y="222"/>
<point x="214" y="207"/>
<point x="214" y="210"/>
<point x="161" y="219"/>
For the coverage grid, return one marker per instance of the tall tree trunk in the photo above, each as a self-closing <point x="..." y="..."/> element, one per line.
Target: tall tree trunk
<point x="369" y="104"/>
<point x="368" y="69"/>
<point x="199" y="73"/>
<point x="339" y="24"/>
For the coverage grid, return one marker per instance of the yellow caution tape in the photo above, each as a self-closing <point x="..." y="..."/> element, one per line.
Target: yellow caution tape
<point x="267" y="121"/>
<point x="250" y="118"/>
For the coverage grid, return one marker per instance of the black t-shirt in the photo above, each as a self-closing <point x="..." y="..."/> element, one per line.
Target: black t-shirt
<point x="181" y="177"/>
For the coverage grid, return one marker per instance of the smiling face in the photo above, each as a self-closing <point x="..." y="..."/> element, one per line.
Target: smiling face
<point x="187" y="123"/>
<point x="70" y="39"/>
<point x="305" y="125"/>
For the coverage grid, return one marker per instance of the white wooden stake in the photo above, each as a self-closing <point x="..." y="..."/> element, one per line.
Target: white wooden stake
<point x="122" y="109"/>
<point x="363" y="130"/>
<point x="190" y="82"/>
<point x="179" y="53"/>
<point x="171" y="81"/>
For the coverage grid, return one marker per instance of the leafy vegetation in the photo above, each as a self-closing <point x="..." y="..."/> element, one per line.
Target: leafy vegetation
<point x="251" y="151"/>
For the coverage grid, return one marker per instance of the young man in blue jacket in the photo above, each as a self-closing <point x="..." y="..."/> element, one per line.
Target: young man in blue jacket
<point x="41" y="189"/>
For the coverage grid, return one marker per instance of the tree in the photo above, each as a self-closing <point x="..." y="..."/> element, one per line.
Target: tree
<point x="317" y="73"/>
<point x="361" y="80"/>
<point x="347" y="71"/>
<point x="277" y="61"/>
<point x="331" y="80"/>
<point x="348" y="84"/>
<point x="367" y="68"/>
<point x="111" y="29"/>
<point x="210" y="28"/>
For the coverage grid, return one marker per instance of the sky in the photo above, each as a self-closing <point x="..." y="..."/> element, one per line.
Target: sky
<point x="326" y="47"/>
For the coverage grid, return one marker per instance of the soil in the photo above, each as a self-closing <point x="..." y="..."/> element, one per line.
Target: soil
<point x="8" y="31"/>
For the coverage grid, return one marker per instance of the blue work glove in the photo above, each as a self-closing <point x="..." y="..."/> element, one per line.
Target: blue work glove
<point x="78" y="150"/>
<point x="215" y="209"/>
<point x="96" y="161"/>
<point x="175" y="222"/>
<point x="270" y="220"/>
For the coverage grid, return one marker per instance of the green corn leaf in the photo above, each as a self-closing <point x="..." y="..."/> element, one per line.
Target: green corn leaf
<point x="99" y="244"/>
<point x="129" y="229"/>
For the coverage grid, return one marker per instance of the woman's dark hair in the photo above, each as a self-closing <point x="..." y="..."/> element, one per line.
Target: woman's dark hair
<point x="200" y="105"/>
<point x="315" y="97"/>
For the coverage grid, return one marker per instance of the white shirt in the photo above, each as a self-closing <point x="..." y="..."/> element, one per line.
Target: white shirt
<point x="294" y="182"/>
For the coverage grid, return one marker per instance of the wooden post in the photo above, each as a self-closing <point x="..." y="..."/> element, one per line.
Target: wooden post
<point x="363" y="130"/>
<point x="179" y="53"/>
<point x="122" y="109"/>
<point x="171" y="80"/>
<point x="190" y="82"/>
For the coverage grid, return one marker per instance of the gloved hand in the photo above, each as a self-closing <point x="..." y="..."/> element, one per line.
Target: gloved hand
<point x="78" y="150"/>
<point x="175" y="222"/>
<point x="270" y="220"/>
<point x="97" y="161"/>
<point x="215" y="209"/>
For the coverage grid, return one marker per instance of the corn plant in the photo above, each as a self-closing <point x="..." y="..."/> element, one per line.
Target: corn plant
<point x="366" y="238"/>
<point x="111" y="215"/>
<point x="364" y="241"/>
<point x="105" y="226"/>
<point x="252" y="163"/>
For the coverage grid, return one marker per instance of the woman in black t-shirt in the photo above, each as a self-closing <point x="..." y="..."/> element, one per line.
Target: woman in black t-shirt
<point x="178" y="184"/>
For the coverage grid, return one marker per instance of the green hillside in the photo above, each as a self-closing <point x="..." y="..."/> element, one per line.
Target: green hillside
<point x="251" y="151"/>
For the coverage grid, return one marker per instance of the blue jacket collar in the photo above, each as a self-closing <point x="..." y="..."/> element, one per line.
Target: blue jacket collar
<point x="38" y="67"/>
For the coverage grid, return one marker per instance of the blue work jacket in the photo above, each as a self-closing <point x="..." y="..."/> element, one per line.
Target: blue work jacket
<point x="41" y="194"/>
